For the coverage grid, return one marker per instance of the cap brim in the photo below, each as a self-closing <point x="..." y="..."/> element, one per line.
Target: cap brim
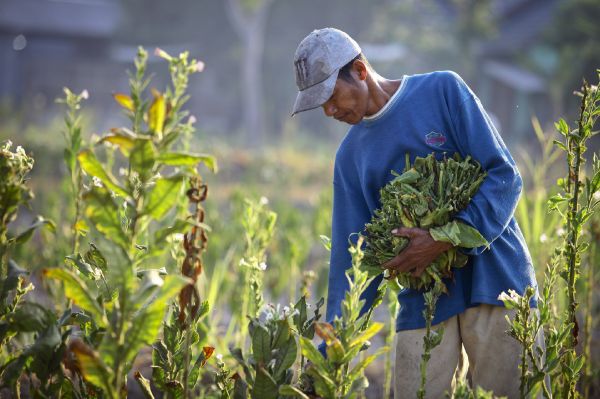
<point x="316" y="95"/>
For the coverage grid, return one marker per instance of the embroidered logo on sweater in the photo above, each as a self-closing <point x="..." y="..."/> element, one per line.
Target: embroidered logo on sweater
<point x="434" y="138"/>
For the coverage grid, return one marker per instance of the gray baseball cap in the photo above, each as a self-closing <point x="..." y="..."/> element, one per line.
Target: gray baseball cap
<point x="318" y="60"/>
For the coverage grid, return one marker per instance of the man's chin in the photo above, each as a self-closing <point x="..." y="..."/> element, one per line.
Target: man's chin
<point x="351" y="121"/>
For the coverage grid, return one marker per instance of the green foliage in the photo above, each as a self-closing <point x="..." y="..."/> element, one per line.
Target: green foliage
<point x="431" y="339"/>
<point x="333" y="376"/>
<point x="18" y="316"/>
<point x="580" y="199"/>
<point x="427" y="195"/>
<point x="129" y="311"/>
<point x="463" y="391"/>
<point x="575" y="203"/>
<point x="259" y="227"/>
<point x="268" y="369"/>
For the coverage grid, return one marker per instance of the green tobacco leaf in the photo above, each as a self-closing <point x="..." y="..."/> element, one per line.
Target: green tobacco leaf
<point x="470" y="237"/>
<point x="458" y="234"/>
<point x="40" y="221"/>
<point x="12" y="278"/>
<point x="180" y="226"/>
<point x="286" y="356"/>
<point x="290" y="390"/>
<point x="261" y="344"/>
<point x="76" y="290"/>
<point x="265" y="387"/>
<point x="142" y="157"/>
<point x="102" y="211"/>
<point x="410" y="176"/>
<point x="357" y="370"/>
<point x="95" y="257"/>
<point x="145" y="325"/>
<point x="446" y="233"/>
<point x="90" y="164"/>
<point x="335" y="351"/>
<point x="188" y="159"/>
<point x="76" y="261"/>
<point x="324" y="386"/>
<point x="163" y="197"/>
<point x="29" y="317"/>
<point x="312" y="353"/>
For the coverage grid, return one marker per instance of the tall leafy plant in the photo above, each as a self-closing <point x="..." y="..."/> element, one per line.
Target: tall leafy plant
<point x="580" y="201"/>
<point x="124" y="294"/>
<point x="576" y="203"/>
<point x="176" y="369"/>
<point x="20" y="317"/>
<point x="333" y="375"/>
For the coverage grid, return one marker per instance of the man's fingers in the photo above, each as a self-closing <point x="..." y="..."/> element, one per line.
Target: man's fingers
<point x="400" y="263"/>
<point x="403" y="232"/>
<point x="391" y="264"/>
<point x="418" y="272"/>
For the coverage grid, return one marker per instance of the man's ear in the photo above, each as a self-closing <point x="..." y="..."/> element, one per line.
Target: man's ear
<point x="361" y="69"/>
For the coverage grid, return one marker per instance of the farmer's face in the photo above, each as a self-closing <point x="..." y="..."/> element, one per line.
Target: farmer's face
<point x="348" y="103"/>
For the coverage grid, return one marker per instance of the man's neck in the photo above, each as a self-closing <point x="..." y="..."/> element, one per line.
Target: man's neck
<point x="380" y="92"/>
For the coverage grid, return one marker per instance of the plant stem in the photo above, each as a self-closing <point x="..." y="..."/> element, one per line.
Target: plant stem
<point x="524" y="351"/>
<point x="387" y="385"/>
<point x="587" y="347"/>
<point x="573" y="226"/>
<point x="429" y="312"/>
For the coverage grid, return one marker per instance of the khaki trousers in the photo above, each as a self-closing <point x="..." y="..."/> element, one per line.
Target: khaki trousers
<point x="475" y="343"/>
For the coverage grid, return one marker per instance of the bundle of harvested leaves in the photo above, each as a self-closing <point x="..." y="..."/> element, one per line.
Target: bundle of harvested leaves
<point x="427" y="195"/>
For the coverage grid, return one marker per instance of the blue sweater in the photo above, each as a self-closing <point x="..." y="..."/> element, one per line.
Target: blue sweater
<point x="433" y="112"/>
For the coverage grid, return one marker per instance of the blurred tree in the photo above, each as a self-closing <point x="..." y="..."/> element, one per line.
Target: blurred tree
<point x="249" y="20"/>
<point x="437" y="34"/>
<point x="575" y="34"/>
<point x="474" y="23"/>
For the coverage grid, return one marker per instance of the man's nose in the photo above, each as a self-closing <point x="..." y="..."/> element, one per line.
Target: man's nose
<point x="329" y="109"/>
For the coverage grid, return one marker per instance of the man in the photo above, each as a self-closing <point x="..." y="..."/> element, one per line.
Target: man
<point x="420" y="114"/>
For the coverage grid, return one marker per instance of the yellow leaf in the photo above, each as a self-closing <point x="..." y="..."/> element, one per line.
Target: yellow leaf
<point x="124" y="100"/>
<point x="157" y="112"/>
<point x="124" y="142"/>
<point x="92" y="367"/>
<point x="81" y="226"/>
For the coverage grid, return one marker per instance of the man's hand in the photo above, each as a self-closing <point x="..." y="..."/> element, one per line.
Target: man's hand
<point x="422" y="249"/>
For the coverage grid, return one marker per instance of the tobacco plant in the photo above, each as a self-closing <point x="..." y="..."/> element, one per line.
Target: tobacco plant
<point x="349" y="334"/>
<point x="124" y="294"/>
<point x="268" y="370"/>
<point x="23" y="320"/>
<point x="575" y="203"/>
<point x="74" y="141"/>
<point x="258" y="222"/>
<point x="175" y="368"/>
<point x="463" y="391"/>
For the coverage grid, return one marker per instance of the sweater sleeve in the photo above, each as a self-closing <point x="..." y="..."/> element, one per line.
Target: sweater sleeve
<point x="493" y="205"/>
<point x="350" y="213"/>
